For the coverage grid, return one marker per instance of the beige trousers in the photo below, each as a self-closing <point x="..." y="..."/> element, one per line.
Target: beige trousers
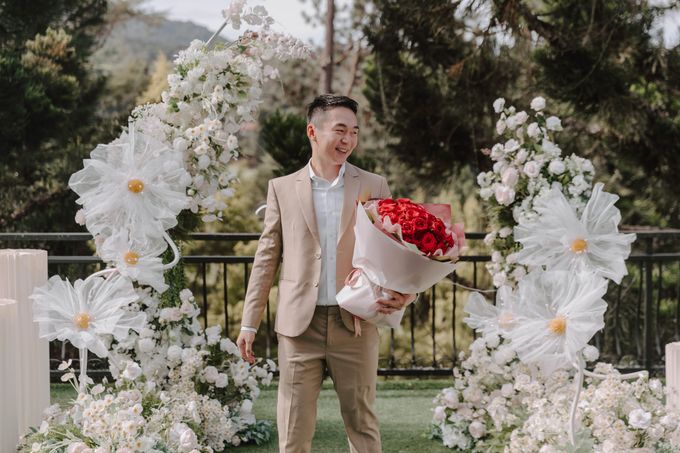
<point x="352" y="363"/>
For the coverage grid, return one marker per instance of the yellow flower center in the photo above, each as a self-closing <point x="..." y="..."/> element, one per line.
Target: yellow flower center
<point x="135" y="185"/>
<point x="579" y="245"/>
<point x="506" y="320"/>
<point x="558" y="325"/>
<point x="131" y="258"/>
<point x="82" y="321"/>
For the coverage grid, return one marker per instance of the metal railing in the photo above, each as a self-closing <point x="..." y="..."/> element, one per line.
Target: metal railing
<point x="643" y="313"/>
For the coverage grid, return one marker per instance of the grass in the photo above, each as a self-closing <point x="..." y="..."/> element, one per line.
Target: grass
<point x="403" y="406"/>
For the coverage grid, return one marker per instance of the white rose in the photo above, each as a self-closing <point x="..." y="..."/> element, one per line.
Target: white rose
<point x="496" y="256"/>
<point x="507" y="390"/>
<point x="533" y="130"/>
<point x="538" y="103"/>
<point x="500" y="126"/>
<point x="489" y="238"/>
<point x="498" y="105"/>
<point x="80" y="217"/>
<point x="639" y="419"/>
<point x="146" y="345"/>
<point x="492" y="340"/>
<point x="510" y="177"/>
<point x="477" y="429"/>
<point x="499" y="279"/>
<point x="511" y="122"/>
<point x="553" y="123"/>
<point x="483" y="179"/>
<point x="210" y="374"/>
<point x="439" y="414"/>
<point x="174" y="353"/>
<point x="550" y="148"/>
<point x="180" y="144"/>
<point x="485" y="193"/>
<point x="132" y="371"/>
<point x="511" y="258"/>
<point x="511" y="145"/>
<point x="532" y="169"/>
<point x="504" y="195"/>
<point x="188" y="440"/>
<point x="213" y="334"/>
<point x="221" y="381"/>
<point x="186" y="296"/>
<point x="521" y="156"/>
<point x="556" y="167"/>
<point x="521" y="118"/>
<point x="497" y="151"/>
<point x="590" y="353"/>
<point x="204" y="162"/>
<point x="500" y="166"/>
<point x="450" y="397"/>
<point x="505" y="232"/>
<point x="229" y="346"/>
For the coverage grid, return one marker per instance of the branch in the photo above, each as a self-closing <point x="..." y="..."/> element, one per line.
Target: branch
<point x="35" y="204"/>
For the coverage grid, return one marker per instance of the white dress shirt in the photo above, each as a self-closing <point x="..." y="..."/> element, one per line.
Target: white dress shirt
<point x="328" y="198"/>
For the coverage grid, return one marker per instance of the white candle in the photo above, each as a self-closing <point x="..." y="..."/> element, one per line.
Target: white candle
<point x="673" y="376"/>
<point x="9" y="375"/>
<point x="20" y="272"/>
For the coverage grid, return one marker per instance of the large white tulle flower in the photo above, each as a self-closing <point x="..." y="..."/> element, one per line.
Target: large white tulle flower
<point x="558" y="239"/>
<point x="558" y="312"/>
<point x="136" y="258"/>
<point x="87" y="311"/>
<point x="134" y="182"/>
<point x="490" y="319"/>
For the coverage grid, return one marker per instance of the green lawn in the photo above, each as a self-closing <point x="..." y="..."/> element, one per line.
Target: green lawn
<point x="404" y="408"/>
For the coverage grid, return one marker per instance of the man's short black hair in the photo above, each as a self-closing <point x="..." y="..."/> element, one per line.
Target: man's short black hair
<point x="330" y="101"/>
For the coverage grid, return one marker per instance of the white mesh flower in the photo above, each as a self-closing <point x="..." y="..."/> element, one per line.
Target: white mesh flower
<point x="136" y="258"/>
<point x="135" y="182"/>
<point x="87" y="311"/>
<point x="491" y="319"/>
<point x="558" y="312"/>
<point x="558" y="239"/>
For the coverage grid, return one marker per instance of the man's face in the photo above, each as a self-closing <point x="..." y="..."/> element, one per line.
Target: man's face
<point x="334" y="135"/>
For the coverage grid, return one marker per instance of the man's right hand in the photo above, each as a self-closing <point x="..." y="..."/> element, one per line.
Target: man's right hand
<point x="245" y="344"/>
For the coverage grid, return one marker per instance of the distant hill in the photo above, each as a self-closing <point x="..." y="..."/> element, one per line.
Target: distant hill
<point x="139" y="40"/>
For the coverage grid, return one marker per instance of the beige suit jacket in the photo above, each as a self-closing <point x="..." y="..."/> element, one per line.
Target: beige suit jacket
<point x="290" y="232"/>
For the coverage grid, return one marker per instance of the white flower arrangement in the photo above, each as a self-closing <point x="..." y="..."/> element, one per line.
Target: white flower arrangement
<point x="527" y="165"/>
<point x="497" y="403"/>
<point x="212" y="95"/>
<point x="521" y="388"/>
<point x="177" y="388"/>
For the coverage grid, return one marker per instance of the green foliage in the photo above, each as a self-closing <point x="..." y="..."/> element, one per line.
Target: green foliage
<point x="435" y="72"/>
<point x="431" y="88"/>
<point x="49" y="94"/>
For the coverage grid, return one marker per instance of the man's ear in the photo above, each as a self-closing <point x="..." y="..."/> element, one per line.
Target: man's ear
<point x="311" y="132"/>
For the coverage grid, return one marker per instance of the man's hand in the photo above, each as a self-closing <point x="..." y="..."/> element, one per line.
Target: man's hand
<point x="245" y="344"/>
<point x="397" y="302"/>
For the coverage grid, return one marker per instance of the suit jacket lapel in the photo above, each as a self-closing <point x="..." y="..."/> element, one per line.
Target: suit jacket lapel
<point x="303" y="187"/>
<point x="351" y="194"/>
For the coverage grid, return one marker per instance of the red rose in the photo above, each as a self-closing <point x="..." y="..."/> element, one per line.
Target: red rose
<point x="407" y="229"/>
<point x="428" y="243"/>
<point x="420" y="224"/>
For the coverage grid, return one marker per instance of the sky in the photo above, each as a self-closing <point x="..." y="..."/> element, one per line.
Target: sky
<point x="286" y="13"/>
<point x="288" y="16"/>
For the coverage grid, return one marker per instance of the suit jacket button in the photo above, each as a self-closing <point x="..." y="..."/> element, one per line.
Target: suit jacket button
<point x="316" y="283"/>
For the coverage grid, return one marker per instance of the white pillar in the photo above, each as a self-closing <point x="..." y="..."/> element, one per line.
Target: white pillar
<point x="673" y="376"/>
<point x="20" y="272"/>
<point x="9" y="375"/>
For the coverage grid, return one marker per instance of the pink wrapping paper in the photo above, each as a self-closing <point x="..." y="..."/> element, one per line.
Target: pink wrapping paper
<point x="385" y="263"/>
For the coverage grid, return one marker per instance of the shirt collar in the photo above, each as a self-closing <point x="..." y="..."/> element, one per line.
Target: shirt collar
<point x="314" y="177"/>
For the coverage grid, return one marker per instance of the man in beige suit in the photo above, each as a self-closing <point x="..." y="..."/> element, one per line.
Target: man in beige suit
<point x="309" y="223"/>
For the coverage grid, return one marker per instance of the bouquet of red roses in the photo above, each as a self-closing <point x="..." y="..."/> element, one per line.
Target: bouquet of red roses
<point x="400" y="245"/>
<point x="420" y="227"/>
